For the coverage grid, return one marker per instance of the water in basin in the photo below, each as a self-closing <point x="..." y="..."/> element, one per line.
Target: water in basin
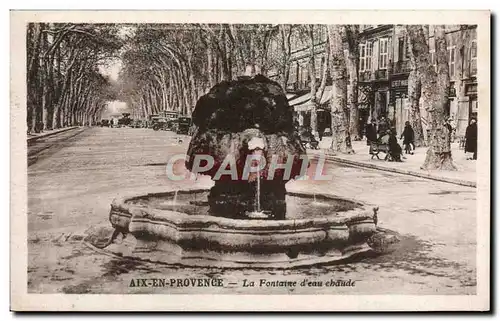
<point x="298" y="205"/>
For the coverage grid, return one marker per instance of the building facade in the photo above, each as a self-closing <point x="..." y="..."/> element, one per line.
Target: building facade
<point x="384" y="66"/>
<point x="375" y="70"/>
<point x="298" y="86"/>
<point x="462" y="63"/>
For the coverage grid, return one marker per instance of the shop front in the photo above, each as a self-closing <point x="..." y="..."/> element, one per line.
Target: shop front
<point x="471" y="92"/>
<point x="399" y="103"/>
<point x="467" y="107"/>
<point x="303" y="107"/>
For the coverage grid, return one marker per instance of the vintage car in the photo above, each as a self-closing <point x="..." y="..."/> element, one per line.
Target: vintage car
<point x="137" y="123"/>
<point x="182" y="125"/>
<point x="159" y="123"/>
<point x="125" y="120"/>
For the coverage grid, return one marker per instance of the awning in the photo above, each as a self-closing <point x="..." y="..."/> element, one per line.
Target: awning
<point x="300" y="100"/>
<point x="303" y="103"/>
<point x="327" y="95"/>
<point x="303" y="107"/>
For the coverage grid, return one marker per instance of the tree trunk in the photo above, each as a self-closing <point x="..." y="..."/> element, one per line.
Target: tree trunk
<point x="462" y="116"/>
<point x="312" y="74"/>
<point x="414" y="86"/>
<point x="434" y="98"/>
<point x="286" y="34"/>
<point x="34" y="101"/>
<point x="325" y="73"/>
<point x="352" y="35"/>
<point x="341" y="140"/>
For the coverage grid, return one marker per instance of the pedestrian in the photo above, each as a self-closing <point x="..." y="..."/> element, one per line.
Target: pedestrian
<point x="471" y="138"/>
<point x="371" y="132"/>
<point x="395" y="149"/>
<point x="360" y="128"/>
<point x="409" y="138"/>
<point x="308" y="138"/>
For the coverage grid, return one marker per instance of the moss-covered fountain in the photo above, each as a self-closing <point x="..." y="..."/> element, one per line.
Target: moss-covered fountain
<point x="245" y="140"/>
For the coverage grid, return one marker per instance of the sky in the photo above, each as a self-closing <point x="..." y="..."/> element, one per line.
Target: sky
<point x="113" y="70"/>
<point x="115" y="108"/>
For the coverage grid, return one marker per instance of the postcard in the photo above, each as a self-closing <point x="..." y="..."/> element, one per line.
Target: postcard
<point x="250" y="160"/>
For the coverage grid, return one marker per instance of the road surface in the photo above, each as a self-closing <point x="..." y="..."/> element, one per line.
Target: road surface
<point x="74" y="176"/>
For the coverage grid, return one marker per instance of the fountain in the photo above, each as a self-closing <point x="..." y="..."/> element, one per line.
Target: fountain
<point x="247" y="219"/>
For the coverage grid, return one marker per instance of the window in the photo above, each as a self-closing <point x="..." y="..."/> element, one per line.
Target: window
<point x="433" y="59"/>
<point x="300" y="75"/>
<point x="362" y="57"/>
<point x="383" y="53"/>
<point x="473" y="58"/>
<point x="365" y="56"/>
<point x="318" y="66"/>
<point x="292" y="78"/>
<point x="407" y="48"/>
<point x="401" y="48"/>
<point x="451" y="60"/>
<point x="305" y="76"/>
<point x="369" y="54"/>
<point x="321" y="33"/>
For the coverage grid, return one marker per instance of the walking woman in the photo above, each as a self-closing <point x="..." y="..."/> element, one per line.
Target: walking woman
<point x="471" y="138"/>
<point x="409" y="138"/>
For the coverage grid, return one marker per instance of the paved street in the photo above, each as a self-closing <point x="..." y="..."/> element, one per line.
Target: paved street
<point x="74" y="179"/>
<point x="466" y="169"/>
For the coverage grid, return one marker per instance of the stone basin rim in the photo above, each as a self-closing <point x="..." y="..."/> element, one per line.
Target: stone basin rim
<point x="122" y="205"/>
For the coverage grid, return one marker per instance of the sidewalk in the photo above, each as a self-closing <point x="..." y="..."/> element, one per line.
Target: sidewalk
<point x="465" y="175"/>
<point x="35" y="136"/>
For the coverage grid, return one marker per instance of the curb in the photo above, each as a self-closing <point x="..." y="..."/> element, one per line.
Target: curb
<point x="402" y="171"/>
<point x="30" y="139"/>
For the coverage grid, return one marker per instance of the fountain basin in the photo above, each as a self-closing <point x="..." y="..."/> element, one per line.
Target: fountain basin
<point x="320" y="229"/>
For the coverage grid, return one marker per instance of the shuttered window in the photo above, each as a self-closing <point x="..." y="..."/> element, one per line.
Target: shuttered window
<point x="383" y="53"/>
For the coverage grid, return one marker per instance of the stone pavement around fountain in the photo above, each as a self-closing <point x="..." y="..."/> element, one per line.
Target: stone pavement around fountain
<point x="465" y="175"/>
<point x="69" y="191"/>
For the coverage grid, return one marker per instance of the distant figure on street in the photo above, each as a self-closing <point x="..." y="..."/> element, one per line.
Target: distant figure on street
<point x="394" y="148"/>
<point x="320" y="133"/>
<point x="409" y="138"/>
<point x="384" y="137"/>
<point x="471" y="138"/>
<point x="360" y="128"/>
<point x="371" y="132"/>
<point x="308" y="138"/>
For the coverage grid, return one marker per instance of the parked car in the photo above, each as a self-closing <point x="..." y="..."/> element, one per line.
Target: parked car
<point x="183" y="125"/>
<point x="159" y="123"/>
<point x="137" y="123"/>
<point x="125" y="121"/>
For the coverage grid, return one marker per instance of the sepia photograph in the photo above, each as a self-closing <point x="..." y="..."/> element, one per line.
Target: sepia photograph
<point x="211" y="154"/>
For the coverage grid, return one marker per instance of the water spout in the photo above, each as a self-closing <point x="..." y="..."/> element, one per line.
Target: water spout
<point x="258" y="190"/>
<point x="174" y="201"/>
